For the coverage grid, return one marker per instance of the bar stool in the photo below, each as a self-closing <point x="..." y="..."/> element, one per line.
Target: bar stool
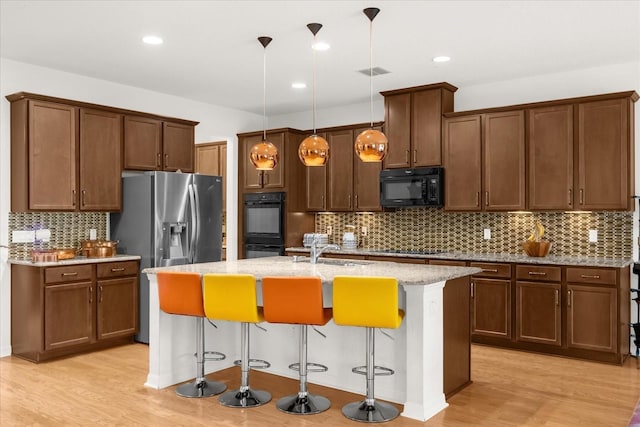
<point x="370" y="302"/>
<point x="181" y="293"/>
<point x="233" y="297"/>
<point x="298" y="301"/>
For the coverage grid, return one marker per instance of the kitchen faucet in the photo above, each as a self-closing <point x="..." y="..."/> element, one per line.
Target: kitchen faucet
<point x="316" y="251"/>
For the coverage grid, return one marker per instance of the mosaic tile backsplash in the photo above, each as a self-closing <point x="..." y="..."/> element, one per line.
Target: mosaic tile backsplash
<point x="423" y="228"/>
<point x="67" y="229"/>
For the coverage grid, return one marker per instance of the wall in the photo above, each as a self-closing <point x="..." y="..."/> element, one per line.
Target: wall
<point x="216" y="123"/>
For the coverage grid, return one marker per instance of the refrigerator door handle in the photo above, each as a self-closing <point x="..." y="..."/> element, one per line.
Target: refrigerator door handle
<point x="194" y="224"/>
<point x="197" y="215"/>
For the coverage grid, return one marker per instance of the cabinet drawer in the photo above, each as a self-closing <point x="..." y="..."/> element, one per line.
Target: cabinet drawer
<point x="69" y="273"/>
<point x="117" y="269"/>
<point x="537" y="272"/>
<point x="600" y="276"/>
<point x="492" y="269"/>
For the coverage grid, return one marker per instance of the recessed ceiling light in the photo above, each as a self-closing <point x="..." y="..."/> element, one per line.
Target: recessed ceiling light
<point x="152" y="40"/>
<point x="321" y="46"/>
<point x="441" y="59"/>
<point x="298" y="85"/>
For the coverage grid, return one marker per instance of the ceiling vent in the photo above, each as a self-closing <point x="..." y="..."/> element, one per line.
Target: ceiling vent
<point x="376" y="71"/>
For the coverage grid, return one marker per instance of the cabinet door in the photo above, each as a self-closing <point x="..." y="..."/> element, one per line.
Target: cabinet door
<point x="426" y="128"/>
<point x="397" y="128"/>
<point x="117" y="307"/>
<point x="177" y="147"/>
<point x="100" y="160"/>
<point x="275" y="178"/>
<point x="591" y="318"/>
<point x="316" y="186"/>
<point x="340" y="170"/>
<point x="142" y="143"/>
<point x="538" y="313"/>
<point x="68" y="315"/>
<point x="491" y="307"/>
<point x="603" y="155"/>
<point x="366" y="181"/>
<point x="504" y="169"/>
<point x="52" y="156"/>
<point x="550" y="158"/>
<point x="462" y="162"/>
<point x="208" y="159"/>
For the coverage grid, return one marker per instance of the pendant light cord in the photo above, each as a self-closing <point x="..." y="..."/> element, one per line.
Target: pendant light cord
<point x="371" y="69"/>
<point x="264" y="95"/>
<point x="315" y="41"/>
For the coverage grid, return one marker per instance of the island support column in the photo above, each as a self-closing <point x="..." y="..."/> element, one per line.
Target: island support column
<point x="424" y="323"/>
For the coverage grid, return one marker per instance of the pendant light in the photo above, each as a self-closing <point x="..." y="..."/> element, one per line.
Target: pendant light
<point x="264" y="155"/>
<point x="371" y="145"/>
<point x="314" y="149"/>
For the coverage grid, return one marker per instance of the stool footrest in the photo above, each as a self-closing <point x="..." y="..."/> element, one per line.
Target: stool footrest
<point x="311" y="367"/>
<point x="377" y="370"/>
<point x="211" y="356"/>
<point x="254" y="363"/>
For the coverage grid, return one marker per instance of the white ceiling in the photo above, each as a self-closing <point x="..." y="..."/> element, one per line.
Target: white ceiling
<point x="211" y="53"/>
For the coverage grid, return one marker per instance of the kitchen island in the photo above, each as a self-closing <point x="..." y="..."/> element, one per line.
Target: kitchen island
<point x="416" y="352"/>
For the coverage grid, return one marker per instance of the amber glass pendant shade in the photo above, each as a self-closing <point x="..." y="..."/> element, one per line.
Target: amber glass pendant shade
<point x="314" y="151"/>
<point x="371" y="145"/>
<point x="264" y="156"/>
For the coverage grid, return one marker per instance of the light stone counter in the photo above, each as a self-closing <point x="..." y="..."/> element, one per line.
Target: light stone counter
<point x="76" y="261"/>
<point x="415" y="352"/>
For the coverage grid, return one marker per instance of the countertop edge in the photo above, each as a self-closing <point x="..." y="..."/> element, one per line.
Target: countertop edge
<point x="75" y="261"/>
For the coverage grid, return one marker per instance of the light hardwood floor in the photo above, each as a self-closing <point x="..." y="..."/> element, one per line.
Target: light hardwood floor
<point x="510" y="388"/>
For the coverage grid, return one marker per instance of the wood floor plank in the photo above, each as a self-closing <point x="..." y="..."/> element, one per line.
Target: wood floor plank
<point x="510" y="388"/>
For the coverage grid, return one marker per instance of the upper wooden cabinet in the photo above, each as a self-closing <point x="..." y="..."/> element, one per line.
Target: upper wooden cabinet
<point x="413" y="124"/>
<point x="346" y="183"/>
<point x="68" y="155"/>
<point x="484" y="162"/>
<point x="211" y="159"/>
<point x="257" y="179"/>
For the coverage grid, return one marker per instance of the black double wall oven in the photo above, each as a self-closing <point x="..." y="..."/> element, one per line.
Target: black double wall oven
<point x="264" y="220"/>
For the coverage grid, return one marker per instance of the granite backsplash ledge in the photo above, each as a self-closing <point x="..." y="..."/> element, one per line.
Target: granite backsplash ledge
<point x="67" y="229"/>
<point x="422" y="228"/>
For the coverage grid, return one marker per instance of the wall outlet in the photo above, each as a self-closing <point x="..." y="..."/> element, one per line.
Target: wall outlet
<point x="93" y="234"/>
<point x="329" y="230"/>
<point x="593" y="236"/>
<point x="487" y="233"/>
<point x="22" y="236"/>
<point x="364" y="230"/>
<point x="43" y="235"/>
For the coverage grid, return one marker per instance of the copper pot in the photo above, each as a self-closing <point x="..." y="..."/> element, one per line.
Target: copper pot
<point x="98" y="248"/>
<point x="66" y="253"/>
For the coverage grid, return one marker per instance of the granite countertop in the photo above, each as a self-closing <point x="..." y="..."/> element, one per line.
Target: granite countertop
<point x="75" y="261"/>
<point x="460" y="256"/>
<point x="407" y="274"/>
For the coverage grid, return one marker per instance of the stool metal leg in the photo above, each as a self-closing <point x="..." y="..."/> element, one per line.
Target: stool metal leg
<point x="303" y="403"/>
<point x="244" y="397"/>
<point x="201" y="387"/>
<point x="369" y="410"/>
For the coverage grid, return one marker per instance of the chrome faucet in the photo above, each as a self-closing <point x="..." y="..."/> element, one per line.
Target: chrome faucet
<point x="316" y="251"/>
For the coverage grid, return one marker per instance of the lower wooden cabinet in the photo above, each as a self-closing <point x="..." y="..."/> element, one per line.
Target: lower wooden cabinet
<point x="491" y="301"/>
<point x="592" y="317"/>
<point x="61" y="310"/>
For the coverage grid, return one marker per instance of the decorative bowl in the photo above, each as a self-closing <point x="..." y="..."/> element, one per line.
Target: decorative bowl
<point x="537" y="249"/>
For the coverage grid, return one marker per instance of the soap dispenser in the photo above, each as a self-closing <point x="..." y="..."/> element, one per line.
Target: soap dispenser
<point x="349" y="238"/>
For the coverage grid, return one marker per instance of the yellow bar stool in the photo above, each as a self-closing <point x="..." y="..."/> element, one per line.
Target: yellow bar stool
<point x="369" y="302"/>
<point x="233" y="297"/>
<point x="298" y="301"/>
<point x="181" y="293"/>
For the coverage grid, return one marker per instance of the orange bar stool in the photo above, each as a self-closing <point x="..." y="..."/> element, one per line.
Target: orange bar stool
<point x="233" y="297"/>
<point x="181" y="293"/>
<point x="369" y="302"/>
<point x="298" y="301"/>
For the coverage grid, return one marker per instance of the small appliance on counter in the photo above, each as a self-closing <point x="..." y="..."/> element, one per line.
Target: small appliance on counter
<point x="349" y="238"/>
<point x="322" y="239"/>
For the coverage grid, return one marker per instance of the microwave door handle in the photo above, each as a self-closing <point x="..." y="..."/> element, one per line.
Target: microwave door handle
<point x="194" y="222"/>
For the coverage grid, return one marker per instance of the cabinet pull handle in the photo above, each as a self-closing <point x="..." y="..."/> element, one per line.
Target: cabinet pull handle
<point x="472" y="289"/>
<point x="537" y="273"/>
<point x="478" y="199"/>
<point x="73" y="196"/>
<point x="406" y="156"/>
<point x="90" y="295"/>
<point x="415" y="156"/>
<point x="75" y="273"/>
<point x="100" y="293"/>
<point x="82" y="201"/>
<point x="356" y="196"/>
<point x="582" y="196"/>
<point x="117" y="269"/>
<point x="489" y="270"/>
<point x="570" y="197"/>
<point x="166" y="160"/>
<point x="588" y="276"/>
<point x="158" y="160"/>
<point x="569" y="298"/>
<point x="349" y="198"/>
<point x="486" y="198"/>
<point x="266" y="178"/>
<point x="557" y="297"/>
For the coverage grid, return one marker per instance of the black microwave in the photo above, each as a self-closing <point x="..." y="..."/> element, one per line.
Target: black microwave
<point x="415" y="187"/>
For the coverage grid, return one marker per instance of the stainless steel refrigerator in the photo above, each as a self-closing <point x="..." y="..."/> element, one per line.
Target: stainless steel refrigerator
<point x="168" y="218"/>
